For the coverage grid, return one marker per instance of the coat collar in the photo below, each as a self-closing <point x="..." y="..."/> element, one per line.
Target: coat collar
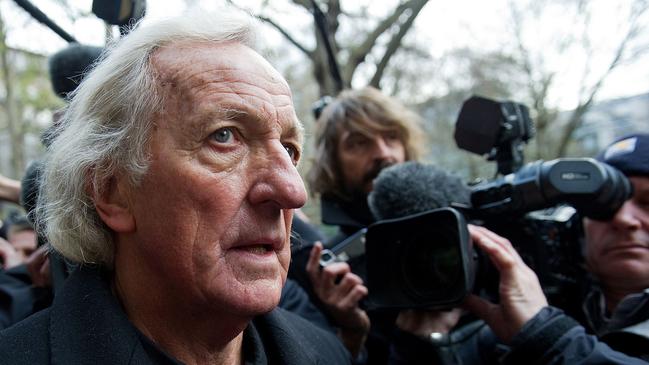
<point x="88" y="325"/>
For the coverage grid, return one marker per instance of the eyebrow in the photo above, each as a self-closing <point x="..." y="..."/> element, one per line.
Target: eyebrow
<point x="295" y="130"/>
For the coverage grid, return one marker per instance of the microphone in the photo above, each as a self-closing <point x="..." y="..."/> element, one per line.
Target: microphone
<point x="68" y="66"/>
<point x="413" y="187"/>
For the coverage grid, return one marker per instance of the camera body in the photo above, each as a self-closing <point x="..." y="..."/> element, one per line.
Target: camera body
<point x="426" y="260"/>
<point x="423" y="260"/>
<point x="595" y="189"/>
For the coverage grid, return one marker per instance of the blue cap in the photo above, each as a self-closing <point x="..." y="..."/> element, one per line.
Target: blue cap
<point x="629" y="154"/>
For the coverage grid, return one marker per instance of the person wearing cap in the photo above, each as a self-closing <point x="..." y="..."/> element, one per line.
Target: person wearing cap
<point x="523" y="328"/>
<point x="617" y="255"/>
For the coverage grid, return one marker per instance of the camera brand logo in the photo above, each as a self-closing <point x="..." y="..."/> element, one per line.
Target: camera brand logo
<point x="572" y="176"/>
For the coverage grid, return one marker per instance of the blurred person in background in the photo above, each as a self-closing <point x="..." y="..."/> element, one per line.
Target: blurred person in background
<point x="359" y="133"/>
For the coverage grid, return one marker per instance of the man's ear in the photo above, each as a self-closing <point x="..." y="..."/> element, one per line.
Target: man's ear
<point x="112" y="204"/>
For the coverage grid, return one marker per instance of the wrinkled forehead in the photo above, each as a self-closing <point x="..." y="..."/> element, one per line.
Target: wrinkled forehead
<point x="197" y="76"/>
<point x="181" y="60"/>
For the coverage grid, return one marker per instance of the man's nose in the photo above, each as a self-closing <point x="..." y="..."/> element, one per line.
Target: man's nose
<point x="280" y="182"/>
<point x="383" y="149"/>
<point x="626" y="218"/>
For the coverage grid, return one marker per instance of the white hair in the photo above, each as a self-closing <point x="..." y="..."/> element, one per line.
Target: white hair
<point x="106" y="127"/>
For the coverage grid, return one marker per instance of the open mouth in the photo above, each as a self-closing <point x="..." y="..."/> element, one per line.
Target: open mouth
<point x="257" y="249"/>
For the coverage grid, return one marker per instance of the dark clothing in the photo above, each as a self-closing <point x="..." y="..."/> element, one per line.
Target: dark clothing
<point x="471" y="343"/>
<point x="550" y="337"/>
<point x="626" y="329"/>
<point x="18" y="298"/>
<point x="349" y="216"/>
<point x="86" y="325"/>
<point x="294" y="299"/>
<point x="303" y="232"/>
<point x="554" y="338"/>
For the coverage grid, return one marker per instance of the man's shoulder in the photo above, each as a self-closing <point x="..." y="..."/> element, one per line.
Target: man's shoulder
<point x="26" y="342"/>
<point x="294" y="334"/>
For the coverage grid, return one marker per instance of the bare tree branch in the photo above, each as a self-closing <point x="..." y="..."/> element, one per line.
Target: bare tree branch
<point x="279" y="28"/>
<point x="357" y="54"/>
<point x="286" y="35"/>
<point x="576" y="118"/>
<point x="395" y="42"/>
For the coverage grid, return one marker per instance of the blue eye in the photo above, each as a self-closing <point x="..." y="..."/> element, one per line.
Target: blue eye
<point x="223" y="135"/>
<point x="293" y="152"/>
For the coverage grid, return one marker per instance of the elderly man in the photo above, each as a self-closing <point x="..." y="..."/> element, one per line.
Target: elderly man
<point x="172" y="182"/>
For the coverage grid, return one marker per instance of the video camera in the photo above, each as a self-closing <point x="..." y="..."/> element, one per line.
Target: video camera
<point x="423" y="258"/>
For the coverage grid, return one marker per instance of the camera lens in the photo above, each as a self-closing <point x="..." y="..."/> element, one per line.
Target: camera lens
<point x="431" y="265"/>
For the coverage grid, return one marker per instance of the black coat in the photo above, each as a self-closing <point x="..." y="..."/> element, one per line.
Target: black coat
<point x="550" y="337"/>
<point x="86" y="325"/>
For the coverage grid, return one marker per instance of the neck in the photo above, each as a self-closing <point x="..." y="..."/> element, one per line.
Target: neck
<point x="190" y="332"/>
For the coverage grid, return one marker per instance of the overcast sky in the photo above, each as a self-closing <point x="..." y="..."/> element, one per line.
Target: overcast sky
<point x="447" y="24"/>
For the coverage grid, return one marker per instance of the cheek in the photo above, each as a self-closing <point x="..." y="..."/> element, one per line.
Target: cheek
<point x="352" y="165"/>
<point x="592" y="242"/>
<point x="401" y="155"/>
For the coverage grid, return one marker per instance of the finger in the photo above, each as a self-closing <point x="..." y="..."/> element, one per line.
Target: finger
<point x="350" y="301"/>
<point x="498" y="255"/>
<point x="38" y="257"/>
<point x="325" y="285"/>
<point x="332" y="272"/>
<point x="348" y="282"/>
<point x="6" y="248"/>
<point x="503" y="242"/>
<point x="500" y="240"/>
<point x="482" y="308"/>
<point x="45" y="267"/>
<point x="45" y="273"/>
<point x="313" y="264"/>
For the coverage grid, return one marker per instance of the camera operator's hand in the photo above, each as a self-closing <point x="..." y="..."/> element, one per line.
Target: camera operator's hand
<point x="9" y="257"/>
<point x="341" y="291"/>
<point x="521" y="296"/>
<point x="423" y="323"/>
<point x="38" y="266"/>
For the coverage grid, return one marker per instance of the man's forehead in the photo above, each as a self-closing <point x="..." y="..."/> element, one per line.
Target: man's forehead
<point x="210" y="78"/>
<point x="179" y="59"/>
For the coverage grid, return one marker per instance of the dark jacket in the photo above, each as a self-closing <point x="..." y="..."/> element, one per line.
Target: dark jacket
<point x="86" y="325"/>
<point x="349" y="216"/>
<point x="550" y="337"/>
<point x="18" y="297"/>
<point x="626" y="329"/>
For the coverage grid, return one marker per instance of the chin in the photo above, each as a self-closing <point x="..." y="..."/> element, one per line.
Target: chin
<point x="259" y="298"/>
